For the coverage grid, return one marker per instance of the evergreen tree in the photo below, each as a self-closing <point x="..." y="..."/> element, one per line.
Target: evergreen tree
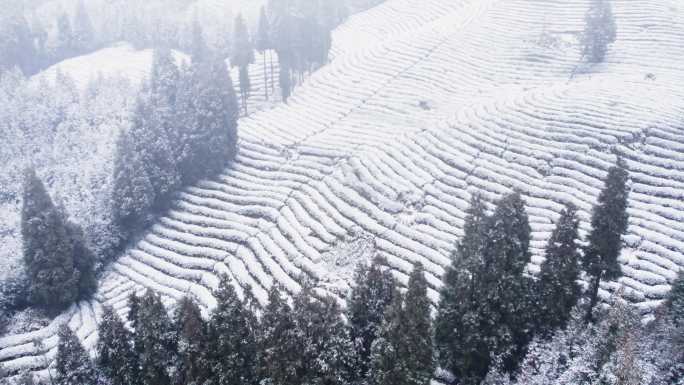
<point x="198" y="50"/>
<point x="192" y="342"/>
<point x="65" y="45"/>
<point x="84" y="33"/>
<point x="386" y="351"/>
<point x="558" y="289"/>
<point x="154" y="129"/>
<point x="508" y="290"/>
<point x="48" y="249"/>
<point x="675" y="301"/>
<point x="242" y="57"/>
<point x="134" y="310"/>
<point x="417" y="331"/>
<point x="73" y="364"/>
<point x="232" y="347"/>
<point x="206" y="114"/>
<point x="84" y="260"/>
<point x="278" y="351"/>
<point x="263" y="43"/>
<point x="132" y="191"/>
<point x="368" y="301"/>
<point x="403" y="353"/>
<point x="600" y="30"/>
<point x="486" y="304"/>
<point x="459" y="295"/>
<point x="115" y="355"/>
<point x="324" y="345"/>
<point x="154" y="340"/>
<point x="609" y="222"/>
<point x="16" y="43"/>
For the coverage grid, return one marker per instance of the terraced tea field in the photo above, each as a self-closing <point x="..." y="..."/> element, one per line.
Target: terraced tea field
<point x="423" y="104"/>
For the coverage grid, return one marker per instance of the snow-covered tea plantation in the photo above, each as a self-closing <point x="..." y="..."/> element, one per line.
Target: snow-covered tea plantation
<point x="423" y="104"/>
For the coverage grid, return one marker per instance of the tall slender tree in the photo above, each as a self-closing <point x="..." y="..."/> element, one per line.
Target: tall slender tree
<point x="242" y="57"/>
<point x="65" y="45"/>
<point x="116" y="358"/>
<point x="59" y="265"/>
<point x="609" y="222"/>
<point x="263" y="44"/>
<point x="192" y="344"/>
<point x="324" y="346"/>
<point x="487" y="300"/>
<point x="600" y="30"/>
<point x="83" y="33"/>
<point x="558" y="288"/>
<point x="206" y="114"/>
<point x="675" y="300"/>
<point x="232" y="348"/>
<point x="386" y="351"/>
<point x="277" y="340"/>
<point x="403" y="354"/>
<point x="73" y="364"/>
<point x="417" y="331"/>
<point x="371" y="295"/>
<point x="155" y="340"/>
<point x="459" y="294"/>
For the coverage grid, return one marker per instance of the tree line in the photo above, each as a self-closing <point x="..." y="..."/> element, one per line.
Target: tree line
<point x="495" y="324"/>
<point x="28" y="45"/>
<point x="183" y="128"/>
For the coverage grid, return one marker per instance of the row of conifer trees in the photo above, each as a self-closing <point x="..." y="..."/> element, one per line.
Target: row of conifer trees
<point x="491" y="307"/>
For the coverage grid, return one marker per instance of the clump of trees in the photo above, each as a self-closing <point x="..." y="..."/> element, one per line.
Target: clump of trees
<point x="301" y="33"/>
<point x="491" y="307"/>
<point x="26" y="44"/>
<point x="599" y="32"/>
<point x="184" y="129"/>
<point x="307" y="341"/>
<point x="495" y="324"/>
<point x="60" y="266"/>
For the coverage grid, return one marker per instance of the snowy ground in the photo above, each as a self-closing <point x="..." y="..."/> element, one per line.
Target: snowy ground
<point x="425" y="103"/>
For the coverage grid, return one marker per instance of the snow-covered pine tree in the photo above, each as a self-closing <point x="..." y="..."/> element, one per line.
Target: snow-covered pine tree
<point x="599" y="32"/>
<point x="116" y="358"/>
<point x="371" y="294"/>
<point x="232" y="347"/>
<point x="84" y="260"/>
<point x="206" y="114"/>
<point x="132" y="194"/>
<point x="16" y="45"/>
<point x="325" y="350"/>
<point x="609" y="222"/>
<point x="263" y="43"/>
<point x="417" y="346"/>
<point x="155" y="340"/>
<point x="487" y="300"/>
<point x="64" y="45"/>
<point x="386" y="352"/>
<point x="48" y="248"/>
<point x="73" y="366"/>
<point x="558" y="289"/>
<point x="83" y="33"/>
<point x="155" y="128"/>
<point x="507" y="289"/>
<point x="459" y="300"/>
<point x="675" y="300"/>
<point x="277" y="341"/>
<point x="134" y="310"/>
<point x="242" y="56"/>
<point x="192" y="342"/>
<point x="199" y="51"/>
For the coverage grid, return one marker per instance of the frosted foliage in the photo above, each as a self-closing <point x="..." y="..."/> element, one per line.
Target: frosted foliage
<point x="68" y="136"/>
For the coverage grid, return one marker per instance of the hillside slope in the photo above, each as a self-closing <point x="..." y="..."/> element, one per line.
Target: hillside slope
<point x="380" y="151"/>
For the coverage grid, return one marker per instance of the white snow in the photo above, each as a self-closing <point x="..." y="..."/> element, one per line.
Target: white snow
<point x="422" y="105"/>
